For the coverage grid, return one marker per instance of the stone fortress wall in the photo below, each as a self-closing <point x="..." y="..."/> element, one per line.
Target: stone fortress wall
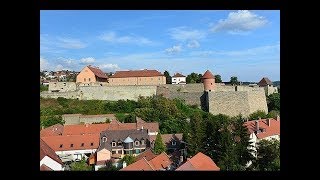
<point x="224" y="99"/>
<point x="72" y="119"/>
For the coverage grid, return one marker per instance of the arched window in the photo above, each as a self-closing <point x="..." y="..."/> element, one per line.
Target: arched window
<point x="136" y="143"/>
<point x="104" y="139"/>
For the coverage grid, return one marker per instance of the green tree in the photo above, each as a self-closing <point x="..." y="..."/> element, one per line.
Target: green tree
<point x="159" y="147"/>
<point x="194" y="78"/>
<point x="268" y="155"/>
<point x="234" y="80"/>
<point x="80" y="166"/>
<point x="197" y="133"/>
<point x="218" y="78"/>
<point x="43" y="88"/>
<point x="273" y="114"/>
<point x="168" y="77"/>
<point x="273" y="101"/>
<point x="129" y="159"/>
<point x="257" y="114"/>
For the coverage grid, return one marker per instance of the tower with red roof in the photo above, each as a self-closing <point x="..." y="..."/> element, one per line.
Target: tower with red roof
<point x="208" y="81"/>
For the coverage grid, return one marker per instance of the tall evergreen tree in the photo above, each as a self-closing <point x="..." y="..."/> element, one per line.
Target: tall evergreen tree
<point x="268" y="155"/>
<point x="159" y="147"/>
<point x="197" y="133"/>
<point x="168" y="77"/>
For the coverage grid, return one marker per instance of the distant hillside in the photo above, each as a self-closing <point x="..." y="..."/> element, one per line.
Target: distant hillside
<point x="276" y="83"/>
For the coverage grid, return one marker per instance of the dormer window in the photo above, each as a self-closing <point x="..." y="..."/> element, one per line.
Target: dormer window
<point x="91" y="144"/>
<point x="142" y="142"/>
<point x="173" y="143"/>
<point x="61" y="145"/>
<point x="104" y="139"/>
<point x="119" y="143"/>
<point x="71" y="145"/>
<point x="82" y="144"/>
<point x="136" y="143"/>
<point x="113" y="144"/>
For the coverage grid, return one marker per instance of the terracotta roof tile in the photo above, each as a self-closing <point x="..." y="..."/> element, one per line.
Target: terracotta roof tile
<point x="43" y="167"/>
<point x="273" y="129"/>
<point x="162" y="161"/>
<point x="166" y="138"/>
<point x="148" y="154"/>
<point x="80" y="142"/>
<point x="178" y="75"/>
<point x="207" y="75"/>
<point x="46" y="150"/>
<point x="84" y="129"/>
<point x="265" y="81"/>
<point x="141" y="165"/>
<point x="136" y="73"/>
<point x="199" y="162"/>
<point x="54" y="130"/>
<point x="98" y="72"/>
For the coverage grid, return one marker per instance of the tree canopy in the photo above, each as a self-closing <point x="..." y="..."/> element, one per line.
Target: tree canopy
<point x="234" y="80"/>
<point x="80" y="166"/>
<point x="273" y="101"/>
<point x="194" y="78"/>
<point x="217" y="78"/>
<point x="268" y="155"/>
<point x="159" y="147"/>
<point x="168" y="77"/>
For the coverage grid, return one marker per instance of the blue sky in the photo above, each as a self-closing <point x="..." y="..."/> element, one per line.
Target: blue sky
<point x="243" y="43"/>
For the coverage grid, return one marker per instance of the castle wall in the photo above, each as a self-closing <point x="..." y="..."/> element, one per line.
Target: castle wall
<point x="270" y="90"/>
<point x="67" y="95"/>
<point x="71" y="119"/>
<point x="62" y="86"/>
<point x="257" y="101"/>
<point x="114" y="93"/>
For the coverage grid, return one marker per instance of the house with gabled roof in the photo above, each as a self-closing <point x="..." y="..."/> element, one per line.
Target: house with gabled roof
<point x="137" y="77"/>
<point x="199" y="162"/>
<point x="49" y="160"/>
<point x="178" y="79"/>
<point x="90" y="74"/>
<point x="268" y="86"/>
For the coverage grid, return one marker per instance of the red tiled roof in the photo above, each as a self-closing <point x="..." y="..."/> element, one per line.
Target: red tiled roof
<point x="43" y="167"/>
<point x="136" y="73"/>
<point x="162" y="161"/>
<point x="178" y="75"/>
<point x="207" y="75"/>
<point x="166" y="138"/>
<point x="265" y="81"/>
<point x="54" y="130"/>
<point x="46" y="150"/>
<point x="152" y="137"/>
<point x="98" y="72"/>
<point x="199" y="162"/>
<point x="84" y="129"/>
<point x="55" y="141"/>
<point x="141" y="165"/>
<point x="148" y="154"/>
<point x="273" y="129"/>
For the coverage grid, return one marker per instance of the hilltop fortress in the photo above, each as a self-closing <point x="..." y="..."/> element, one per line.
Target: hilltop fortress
<point x="213" y="97"/>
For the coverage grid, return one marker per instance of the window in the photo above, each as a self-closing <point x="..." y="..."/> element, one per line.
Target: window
<point x="113" y="144"/>
<point x="82" y="144"/>
<point x="119" y="151"/>
<point x="104" y="139"/>
<point x="84" y="79"/>
<point x="119" y="143"/>
<point x="61" y="145"/>
<point x="64" y="84"/>
<point x="114" y="152"/>
<point x="89" y="79"/>
<point x="136" y="143"/>
<point x="211" y="83"/>
<point x="173" y="143"/>
<point x="142" y="142"/>
<point x="71" y="145"/>
<point x="138" y="151"/>
<point x="91" y="144"/>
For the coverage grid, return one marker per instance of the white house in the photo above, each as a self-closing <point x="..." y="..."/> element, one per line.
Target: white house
<point x="49" y="160"/>
<point x="179" y="79"/>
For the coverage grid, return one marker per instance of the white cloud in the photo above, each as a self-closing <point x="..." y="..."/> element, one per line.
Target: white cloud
<point x="193" y="44"/>
<point x="173" y="50"/>
<point x="44" y="64"/>
<point x="184" y="33"/>
<point x="87" y="60"/>
<point x="109" y="67"/>
<point x="59" y="67"/>
<point x="70" y="43"/>
<point x="112" y="37"/>
<point x="240" y="22"/>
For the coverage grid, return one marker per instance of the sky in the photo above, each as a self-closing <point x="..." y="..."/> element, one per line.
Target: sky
<point x="238" y="43"/>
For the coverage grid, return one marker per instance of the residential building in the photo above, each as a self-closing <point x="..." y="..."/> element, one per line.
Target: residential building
<point x="172" y="141"/>
<point x="90" y="74"/>
<point x="263" y="129"/>
<point x="199" y="162"/>
<point x="179" y="79"/>
<point x="148" y="161"/>
<point x="137" y="77"/>
<point x="49" y="160"/>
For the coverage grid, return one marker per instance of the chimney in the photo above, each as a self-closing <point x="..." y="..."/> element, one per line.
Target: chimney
<point x="278" y="118"/>
<point x="257" y="125"/>
<point x="268" y="122"/>
<point x="124" y="164"/>
<point x="87" y="125"/>
<point x="181" y="160"/>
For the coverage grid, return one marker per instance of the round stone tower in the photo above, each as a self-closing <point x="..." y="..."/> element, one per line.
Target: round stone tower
<point x="208" y="81"/>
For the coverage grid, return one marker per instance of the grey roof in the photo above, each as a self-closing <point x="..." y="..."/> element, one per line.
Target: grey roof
<point x="122" y="135"/>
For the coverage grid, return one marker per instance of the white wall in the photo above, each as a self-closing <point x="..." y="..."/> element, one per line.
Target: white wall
<point x="177" y="80"/>
<point x="52" y="164"/>
<point x="75" y="152"/>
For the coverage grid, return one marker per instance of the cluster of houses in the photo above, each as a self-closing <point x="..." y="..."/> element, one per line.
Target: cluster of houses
<point x="101" y="144"/>
<point x="55" y="76"/>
